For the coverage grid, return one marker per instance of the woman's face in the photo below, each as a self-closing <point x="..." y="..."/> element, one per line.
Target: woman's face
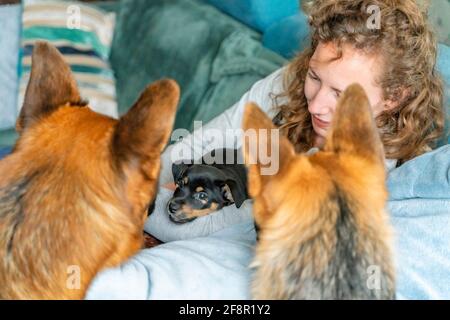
<point x="327" y="79"/>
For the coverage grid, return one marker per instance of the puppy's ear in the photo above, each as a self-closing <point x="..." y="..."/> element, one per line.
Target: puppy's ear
<point x="266" y="151"/>
<point x="353" y="128"/>
<point x="51" y="85"/>
<point x="235" y="191"/>
<point x="177" y="169"/>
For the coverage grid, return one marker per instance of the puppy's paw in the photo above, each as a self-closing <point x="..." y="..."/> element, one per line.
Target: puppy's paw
<point x="150" y="241"/>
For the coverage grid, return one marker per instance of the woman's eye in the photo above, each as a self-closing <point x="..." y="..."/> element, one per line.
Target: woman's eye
<point x="201" y="196"/>
<point x="313" y="77"/>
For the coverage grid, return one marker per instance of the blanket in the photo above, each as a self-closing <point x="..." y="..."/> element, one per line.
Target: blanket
<point x="419" y="205"/>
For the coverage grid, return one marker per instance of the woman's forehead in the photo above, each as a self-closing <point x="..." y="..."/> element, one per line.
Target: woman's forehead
<point x="353" y="66"/>
<point x="326" y="54"/>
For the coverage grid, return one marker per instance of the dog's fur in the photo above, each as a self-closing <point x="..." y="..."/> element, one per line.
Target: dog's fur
<point x="209" y="186"/>
<point x="322" y="217"/>
<point x="75" y="190"/>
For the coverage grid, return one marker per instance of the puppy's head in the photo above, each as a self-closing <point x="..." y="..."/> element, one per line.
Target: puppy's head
<point x="321" y="216"/>
<point x="200" y="190"/>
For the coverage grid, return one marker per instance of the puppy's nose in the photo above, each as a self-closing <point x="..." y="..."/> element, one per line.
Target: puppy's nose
<point x="174" y="206"/>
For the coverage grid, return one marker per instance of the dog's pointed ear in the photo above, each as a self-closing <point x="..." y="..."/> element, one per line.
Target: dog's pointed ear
<point x="235" y="191"/>
<point x="142" y="133"/>
<point x="266" y="151"/>
<point x="353" y="128"/>
<point x="51" y="85"/>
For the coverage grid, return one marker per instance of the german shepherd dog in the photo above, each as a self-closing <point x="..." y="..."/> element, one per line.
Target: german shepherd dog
<point x="324" y="232"/>
<point x="74" y="192"/>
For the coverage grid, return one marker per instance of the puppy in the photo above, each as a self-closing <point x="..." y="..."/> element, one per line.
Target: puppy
<point x="207" y="187"/>
<point x="74" y="192"/>
<point x="324" y="232"/>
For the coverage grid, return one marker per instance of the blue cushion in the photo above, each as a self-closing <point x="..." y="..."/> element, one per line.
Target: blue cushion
<point x="424" y="177"/>
<point x="419" y="204"/>
<point x="443" y="62"/>
<point x="9" y="59"/>
<point x="4" y="152"/>
<point x="443" y="65"/>
<point x="259" y="14"/>
<point x="84" y="47"/>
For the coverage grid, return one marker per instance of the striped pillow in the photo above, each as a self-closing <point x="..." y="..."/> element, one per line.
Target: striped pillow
<point x="83" y="34"/>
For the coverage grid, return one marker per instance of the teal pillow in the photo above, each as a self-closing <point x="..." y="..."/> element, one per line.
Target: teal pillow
<point x="213" y="57"/>
<point x="258" y="14"/>
<point x="83" y="34"/>
<point x="288" y="36"/>
<point x="443" y="66"/>
<point x="439" y="16"/>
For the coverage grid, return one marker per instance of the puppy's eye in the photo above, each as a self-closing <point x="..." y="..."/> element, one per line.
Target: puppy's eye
<point x="202" y="196"/>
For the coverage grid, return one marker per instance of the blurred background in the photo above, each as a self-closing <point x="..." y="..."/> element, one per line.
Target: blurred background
<point x="215" y="49"/>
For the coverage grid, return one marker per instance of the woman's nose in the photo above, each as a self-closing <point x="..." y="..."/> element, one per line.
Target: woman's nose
<point x="320" y="104"/>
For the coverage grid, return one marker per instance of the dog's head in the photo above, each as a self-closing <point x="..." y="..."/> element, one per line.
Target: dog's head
<point x="321" y="216"/>
<point x="202" y="189"/>
<point x="77" y="182"/>
<point x="56" y="125"/>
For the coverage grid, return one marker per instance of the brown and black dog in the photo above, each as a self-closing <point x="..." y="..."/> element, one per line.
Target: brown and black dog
<point x="74" y="192"/>
<point x="218" y="181"/>
<point x="324" y="232"/>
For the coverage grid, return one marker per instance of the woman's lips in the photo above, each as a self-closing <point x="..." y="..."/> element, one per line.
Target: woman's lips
<point x="320" y="123"/>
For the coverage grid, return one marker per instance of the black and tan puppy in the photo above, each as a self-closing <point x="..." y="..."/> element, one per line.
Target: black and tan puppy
<point x="324" y="232"/>
<point x="208" y="186"/>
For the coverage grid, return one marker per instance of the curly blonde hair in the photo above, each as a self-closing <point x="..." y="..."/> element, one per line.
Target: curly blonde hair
<point x="408" y="49"/>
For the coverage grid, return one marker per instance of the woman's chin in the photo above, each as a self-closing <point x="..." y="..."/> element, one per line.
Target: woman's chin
<point x="319" y="137"/>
